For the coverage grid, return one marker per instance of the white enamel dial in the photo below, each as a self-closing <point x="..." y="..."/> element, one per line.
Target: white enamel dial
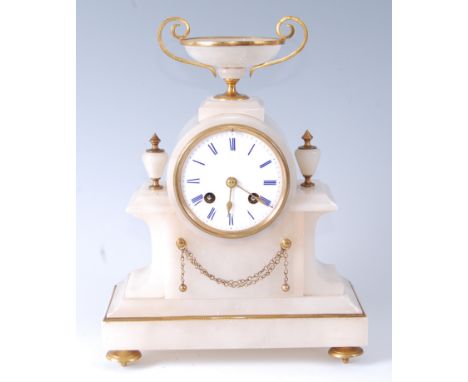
<point x="232" y="180"/>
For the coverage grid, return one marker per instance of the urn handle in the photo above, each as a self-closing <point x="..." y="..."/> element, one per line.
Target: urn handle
<point x="284" y="37"/>
<point x="179" y="37"/>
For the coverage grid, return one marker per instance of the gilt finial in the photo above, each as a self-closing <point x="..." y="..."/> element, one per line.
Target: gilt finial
<point x="155" y="145"/>
<point x="307" y="137"/>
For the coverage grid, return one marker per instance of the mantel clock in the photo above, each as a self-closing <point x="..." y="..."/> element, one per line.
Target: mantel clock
<point x="232" y="227"/>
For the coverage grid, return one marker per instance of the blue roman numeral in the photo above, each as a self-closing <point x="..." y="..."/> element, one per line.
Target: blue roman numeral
<point x="265" y="200"/>
<point x="231" y="219"/>
<point x="213" y="149"/>
<point x="269" y="182"/>
<point x="212" y="213"/>
<point x="232" y="144"/>
<point x="194" y="181"/>
<point x="197" y="199"/>
<point x="251" y="149"/>
<point x="265" y="164"/>
<point x="196" y="161"/>
<point x="250" y="215"/>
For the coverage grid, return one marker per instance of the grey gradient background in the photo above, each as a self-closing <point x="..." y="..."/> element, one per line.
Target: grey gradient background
<point x="339" y="87"/>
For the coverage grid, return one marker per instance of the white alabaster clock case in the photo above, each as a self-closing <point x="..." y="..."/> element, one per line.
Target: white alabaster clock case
<point x="232" y="227"/>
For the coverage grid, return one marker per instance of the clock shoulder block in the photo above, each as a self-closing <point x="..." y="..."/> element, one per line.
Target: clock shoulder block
<point x="146" y="202"/>
<point x="314" y="199"/>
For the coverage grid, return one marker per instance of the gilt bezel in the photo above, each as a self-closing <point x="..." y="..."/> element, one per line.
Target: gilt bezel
<point x="190" y="215"/>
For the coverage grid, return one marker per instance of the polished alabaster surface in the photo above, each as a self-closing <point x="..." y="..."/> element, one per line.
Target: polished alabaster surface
<point x="237" y="332"/>
<point x="154" y="163"/>
<point x="252" y="107"/>
<point x="236" y="258"/>
<point x="231" y="61"/>
<point x="152" y="292"/>
<point x="124" y="306"/>
<point x="308" y="160"/>
<point x="232" y="258"/>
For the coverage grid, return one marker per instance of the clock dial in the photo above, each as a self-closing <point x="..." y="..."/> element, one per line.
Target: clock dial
<point x="232" y="180"/>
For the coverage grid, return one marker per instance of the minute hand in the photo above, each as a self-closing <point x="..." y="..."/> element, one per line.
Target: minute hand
<point x="257" y="198"/>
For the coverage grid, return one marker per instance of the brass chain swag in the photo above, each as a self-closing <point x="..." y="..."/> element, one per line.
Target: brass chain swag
<point x="263" y="273"/>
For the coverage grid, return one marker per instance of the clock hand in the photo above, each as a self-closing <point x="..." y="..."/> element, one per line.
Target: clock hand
<point x="257" y="198"/>
<point x="243" y="189"/>
<point x="229" y="203"/>
<point x="231" y="182"/>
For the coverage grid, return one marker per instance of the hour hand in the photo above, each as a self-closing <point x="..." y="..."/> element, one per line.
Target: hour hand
<point x="231" y="183"/>
<point x="229" y="203"/>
